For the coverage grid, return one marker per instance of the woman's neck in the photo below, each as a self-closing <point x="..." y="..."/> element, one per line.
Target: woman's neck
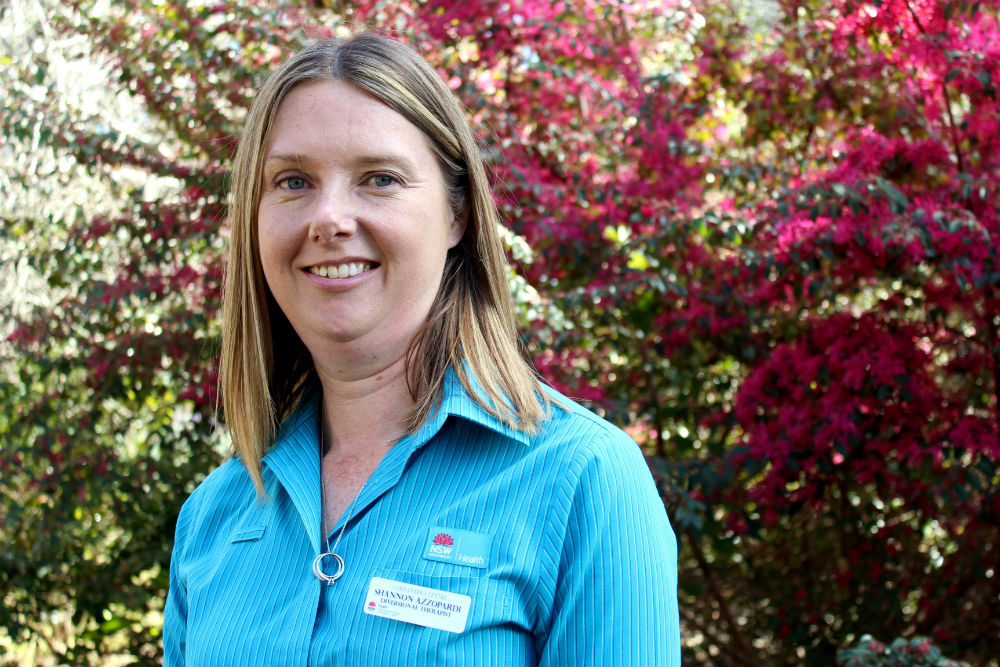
<point x="362" y="412"/>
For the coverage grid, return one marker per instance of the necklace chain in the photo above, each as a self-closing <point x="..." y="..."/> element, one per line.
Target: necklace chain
<point x="330" y="579"/>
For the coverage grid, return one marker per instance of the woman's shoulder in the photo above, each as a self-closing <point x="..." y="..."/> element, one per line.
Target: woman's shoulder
<point x="220" y="492"/>
<point x="597" y="467"/>
<point x="230" y="481"/>
<point x="583" y="434"/>
<point x="569" y="414"/>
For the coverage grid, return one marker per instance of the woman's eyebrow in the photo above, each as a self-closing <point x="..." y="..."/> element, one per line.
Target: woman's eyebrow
<point x="377" y="160"/>
<point x="286" y="158"/>
<point x="358" y="162"/>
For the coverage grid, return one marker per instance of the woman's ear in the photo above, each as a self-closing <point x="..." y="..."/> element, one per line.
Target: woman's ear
<point x="457" y="229"/>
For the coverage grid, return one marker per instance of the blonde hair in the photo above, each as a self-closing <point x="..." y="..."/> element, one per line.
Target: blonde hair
<point x="265" y="367"/>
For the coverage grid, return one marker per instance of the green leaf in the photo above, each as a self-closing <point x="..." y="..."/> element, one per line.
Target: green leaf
<point x="897" y="199"/>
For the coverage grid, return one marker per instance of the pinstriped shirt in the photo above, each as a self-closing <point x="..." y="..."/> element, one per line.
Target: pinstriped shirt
<point x="572" y="559"/>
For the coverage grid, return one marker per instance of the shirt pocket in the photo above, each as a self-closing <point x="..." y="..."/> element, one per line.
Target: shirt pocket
<point x="245" y="534"/>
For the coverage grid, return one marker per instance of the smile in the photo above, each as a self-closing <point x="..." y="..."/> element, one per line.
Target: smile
<point x="341" y="270"/>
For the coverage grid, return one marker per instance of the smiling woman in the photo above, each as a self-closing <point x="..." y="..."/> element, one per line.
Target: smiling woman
<point x="350" y="184"/>
<point x="405" y="490"/>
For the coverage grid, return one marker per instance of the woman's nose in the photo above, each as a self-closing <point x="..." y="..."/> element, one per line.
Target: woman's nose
<point x="333" y="216"/>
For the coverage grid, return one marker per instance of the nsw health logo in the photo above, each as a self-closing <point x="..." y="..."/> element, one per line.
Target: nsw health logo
<point x="442" y="544"/>
<point x="461" y="547"/>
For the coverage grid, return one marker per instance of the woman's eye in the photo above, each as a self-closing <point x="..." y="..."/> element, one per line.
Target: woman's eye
<point x="293" y="183"/>
<point x="382" y="180"/>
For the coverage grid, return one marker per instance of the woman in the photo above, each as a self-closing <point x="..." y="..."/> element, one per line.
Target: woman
<point x="405" y="492"/>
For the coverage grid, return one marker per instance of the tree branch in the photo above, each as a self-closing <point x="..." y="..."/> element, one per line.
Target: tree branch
<point x="747" y="654"/>
<point x="654" y="398"/>
<point x="956" y="145"/>
<point x="734" y="657"/>
<point x="993" y="349"/>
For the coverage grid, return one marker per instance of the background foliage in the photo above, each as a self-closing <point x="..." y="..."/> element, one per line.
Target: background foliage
<point x="762" y="236"/>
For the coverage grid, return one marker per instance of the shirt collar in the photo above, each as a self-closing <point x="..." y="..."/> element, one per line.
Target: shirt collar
<point x="294" y="458"/>
<point x="457" y="401"/>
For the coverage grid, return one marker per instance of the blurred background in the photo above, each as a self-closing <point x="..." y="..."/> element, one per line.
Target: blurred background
<point x="762" y="236"/>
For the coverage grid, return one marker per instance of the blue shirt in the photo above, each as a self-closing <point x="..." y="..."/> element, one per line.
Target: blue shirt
<point x="568" y="560"/>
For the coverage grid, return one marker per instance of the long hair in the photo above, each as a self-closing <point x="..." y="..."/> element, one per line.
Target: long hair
<point x="265" y="367"/>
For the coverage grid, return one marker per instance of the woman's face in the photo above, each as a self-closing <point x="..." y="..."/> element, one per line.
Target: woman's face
<point x="354" y="220"/>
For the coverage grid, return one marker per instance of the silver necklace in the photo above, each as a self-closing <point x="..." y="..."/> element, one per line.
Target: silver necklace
<point x="330" y="579"/>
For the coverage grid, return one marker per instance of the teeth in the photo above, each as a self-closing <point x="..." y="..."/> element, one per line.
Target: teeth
<point x="340" y="271"/>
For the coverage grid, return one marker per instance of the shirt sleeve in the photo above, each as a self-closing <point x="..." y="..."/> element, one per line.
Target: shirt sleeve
<point x="616" y="596"/>
<point x="175" y="611"/>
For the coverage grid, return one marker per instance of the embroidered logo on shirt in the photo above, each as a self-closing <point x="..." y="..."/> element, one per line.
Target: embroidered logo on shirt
<point x="460" y="547"/>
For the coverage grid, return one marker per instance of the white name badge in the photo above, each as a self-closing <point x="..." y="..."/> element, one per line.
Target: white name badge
<point x="428" y="607"/>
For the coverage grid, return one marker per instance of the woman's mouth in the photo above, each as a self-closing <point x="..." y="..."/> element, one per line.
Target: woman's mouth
<point x="346" y="270"/>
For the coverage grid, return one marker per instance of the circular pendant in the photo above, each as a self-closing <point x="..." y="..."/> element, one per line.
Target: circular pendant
<point x="328" y="578"/>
